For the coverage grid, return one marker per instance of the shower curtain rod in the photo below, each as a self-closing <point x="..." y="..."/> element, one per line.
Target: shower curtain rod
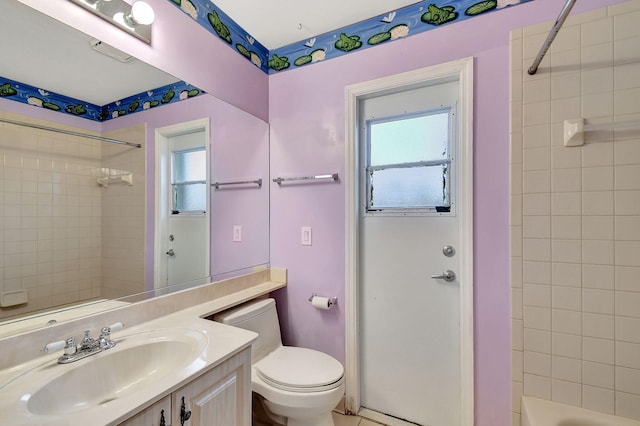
<point x="552" y="35"/>
<point x="69" y="132"/>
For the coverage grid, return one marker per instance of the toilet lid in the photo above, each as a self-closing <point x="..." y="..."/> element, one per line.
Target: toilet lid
<point x="300" y="369"/>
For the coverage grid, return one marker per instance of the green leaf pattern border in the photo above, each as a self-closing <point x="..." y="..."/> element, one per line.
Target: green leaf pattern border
<point x="414" y="19"/>
<point x="38" y="97"/>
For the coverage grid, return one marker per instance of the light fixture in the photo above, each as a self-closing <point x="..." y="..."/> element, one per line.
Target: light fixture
<point x="136" y="19"/>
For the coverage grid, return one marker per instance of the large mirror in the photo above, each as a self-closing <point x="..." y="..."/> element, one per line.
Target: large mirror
<point x="80" y="230"/>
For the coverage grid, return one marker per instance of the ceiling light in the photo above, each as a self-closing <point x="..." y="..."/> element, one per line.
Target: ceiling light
<point x="141" y="14"/>
<point x="136" y="19"/>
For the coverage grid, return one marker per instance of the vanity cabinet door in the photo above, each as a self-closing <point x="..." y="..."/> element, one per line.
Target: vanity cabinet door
<point x="221" y="397"/>
<point x="152" y="416"/>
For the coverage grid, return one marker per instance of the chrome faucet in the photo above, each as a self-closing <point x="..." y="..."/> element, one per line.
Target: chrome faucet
<point x="88" y="346"/>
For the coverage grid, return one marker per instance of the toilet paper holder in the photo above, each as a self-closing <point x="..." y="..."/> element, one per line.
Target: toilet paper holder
<point x="332" y="300"/>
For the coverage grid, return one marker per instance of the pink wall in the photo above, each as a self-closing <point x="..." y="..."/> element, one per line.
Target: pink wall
<point x="180" y="47"/>
<point x="239" y="149"/>
<point x="306" y="111"/>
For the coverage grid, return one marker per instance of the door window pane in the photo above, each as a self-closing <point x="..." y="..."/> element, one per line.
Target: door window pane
<point x="409" y="163"/>
<point x="189" y="174"/>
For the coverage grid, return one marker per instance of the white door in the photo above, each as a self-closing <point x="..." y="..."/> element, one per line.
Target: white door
<point x="409" y="321"/>
<point x="183" y="216"/>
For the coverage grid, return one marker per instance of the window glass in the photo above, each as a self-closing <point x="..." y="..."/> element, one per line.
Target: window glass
<point x="189" y="174"/>
<point x="191" y="197"/>
<point x="409" y="163"/>
<point x="190" y="165"/>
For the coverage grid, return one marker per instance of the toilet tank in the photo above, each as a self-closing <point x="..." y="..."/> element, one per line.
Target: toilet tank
<point x="259" y="316"/>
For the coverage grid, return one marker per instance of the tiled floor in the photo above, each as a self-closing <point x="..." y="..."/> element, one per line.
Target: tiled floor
<point x="341" y="420"/>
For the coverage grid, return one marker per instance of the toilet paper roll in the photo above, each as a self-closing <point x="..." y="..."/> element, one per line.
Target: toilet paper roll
<point x="321" y="302"/>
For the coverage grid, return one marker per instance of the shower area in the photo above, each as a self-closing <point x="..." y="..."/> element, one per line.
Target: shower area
<point x="72" y="212"/>
<point x="575" y="213"/>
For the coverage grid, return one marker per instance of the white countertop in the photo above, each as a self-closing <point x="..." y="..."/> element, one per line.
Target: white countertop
<point x="18" y="383"/>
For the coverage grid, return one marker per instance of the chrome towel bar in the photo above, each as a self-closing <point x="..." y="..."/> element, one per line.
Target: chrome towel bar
<point x="258" y="182"/>
<point x="552" y="35"/>
<point x="333" y="176"/>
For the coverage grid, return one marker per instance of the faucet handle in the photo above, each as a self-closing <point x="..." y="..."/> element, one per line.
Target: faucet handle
<point x="70" y="347"/>
<point x="53" y="346"/>
<point x="105" y="335"/>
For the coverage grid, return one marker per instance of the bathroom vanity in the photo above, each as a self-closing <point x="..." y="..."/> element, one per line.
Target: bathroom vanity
<point x="221" y="396"/>
<point x="170" y="365"/>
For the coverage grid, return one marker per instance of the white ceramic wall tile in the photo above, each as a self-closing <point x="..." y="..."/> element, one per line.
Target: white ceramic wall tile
<point x="566" y="345"/>
<point x="568" y="203"/>
<point x="598" y="104"/>
<point x="537" y="363"/>
<point x="536" y="181"/>
<point x="566" y="227"/>
<point x="598" y="301"/>
<point x="598" y="277"/>
<point x="537" y="340"/>
<point x="627" y="228"/>
<point x="622" y="8"/>
<point x="515" y="153"/>
<point x="537" y="318"/>
<point x="540" y="204"/>
<point x="627" y="253"/>
<point x="566" y="85"/>
<point x="626" y="101"/>
<point x="536" y="295"/>
<point x="517" y="338"/>
<point x="536" y="249"/>
<point x="565" y="108"/>
<point x="598" y="325"/>
<point x="628" y="354"/>
<point x="563" y="158"/>
<point x="566" y="392"/>
<point x="537" y="386"/>
<point x="598" y="252"/>
<point x="597" y="178"/>
<point x="566" y="180"/>
<point x="568" y="298"/>
<point x="516" y="241"/>
<point x="627" y="152"/>
<point x="598" y="227"/>
<point x="627" y="278"/>
<point x="566" y="274"/>
<point x="566" y="251"/>
<point x="596" y="78"/>
<point x="536" y="227"/>
<point x="564" y="321"/>
<point x="598" y="350"/>
<point x="536" y="136"/>
<point x="597" y="203"/>
<point x="516" y="272"/>
<point x="515" y="419"/>
<point x="517" y="365"/>
<point x="536" y="272"/>
<point x="598" y="399"/>
<point x="627" y="329"/>
<point x="626" y="76"/>
<point x="516" y="303"/>
<point x="597" y="32"/>
<point x="628" y="405"/>
<point x="538" y="112"/>
<point x="627" y="25"/>
<point x="598" y="374"/>
<point x="568" y="369"/>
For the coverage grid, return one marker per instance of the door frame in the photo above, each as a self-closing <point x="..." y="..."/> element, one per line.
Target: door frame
<point x="462" y="70"/>
<point x="162" y="136"/>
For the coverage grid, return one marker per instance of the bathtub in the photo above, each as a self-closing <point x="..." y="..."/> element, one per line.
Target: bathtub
<point x="539" y="412"/>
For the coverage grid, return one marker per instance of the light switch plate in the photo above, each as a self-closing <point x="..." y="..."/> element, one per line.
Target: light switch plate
<point x="305" y="237"/>
<point x="237" y="233"/>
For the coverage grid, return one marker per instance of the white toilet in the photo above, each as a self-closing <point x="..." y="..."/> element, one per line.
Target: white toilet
<point x="299" y="387"/>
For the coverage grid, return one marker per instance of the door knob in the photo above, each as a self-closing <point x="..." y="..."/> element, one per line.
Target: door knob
<point x="447" y="275"/>
<point x="171" y="252"/>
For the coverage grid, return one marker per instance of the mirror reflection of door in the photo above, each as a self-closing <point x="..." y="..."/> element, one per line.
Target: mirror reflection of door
<point x="183" y="234"/>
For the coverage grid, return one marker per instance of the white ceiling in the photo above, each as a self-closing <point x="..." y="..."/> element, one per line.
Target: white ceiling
<point x="276" y="23"/>
<point x="33" y="44"/>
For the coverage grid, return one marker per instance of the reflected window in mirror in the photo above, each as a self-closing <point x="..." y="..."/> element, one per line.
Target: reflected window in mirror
<point x="189" y="181"/>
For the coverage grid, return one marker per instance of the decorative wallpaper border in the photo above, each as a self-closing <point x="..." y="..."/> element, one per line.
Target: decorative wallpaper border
<point x="30" y="95"/>
<point x="414" y="19"/>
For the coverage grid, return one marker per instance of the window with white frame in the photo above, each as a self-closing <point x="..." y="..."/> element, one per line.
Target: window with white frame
<point x="409" y="162"/>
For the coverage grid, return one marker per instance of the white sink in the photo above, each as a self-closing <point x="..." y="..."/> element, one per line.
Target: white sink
<point x="136" y="362"/>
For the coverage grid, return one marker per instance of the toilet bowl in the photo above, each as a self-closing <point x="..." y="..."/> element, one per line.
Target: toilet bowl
<point x="298" y="386"/>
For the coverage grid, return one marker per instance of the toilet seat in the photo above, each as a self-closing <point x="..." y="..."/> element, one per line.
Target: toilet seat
<point x="300" y="370"/>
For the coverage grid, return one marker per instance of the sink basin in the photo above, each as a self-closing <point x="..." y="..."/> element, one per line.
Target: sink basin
<point x="137" y="361"/>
